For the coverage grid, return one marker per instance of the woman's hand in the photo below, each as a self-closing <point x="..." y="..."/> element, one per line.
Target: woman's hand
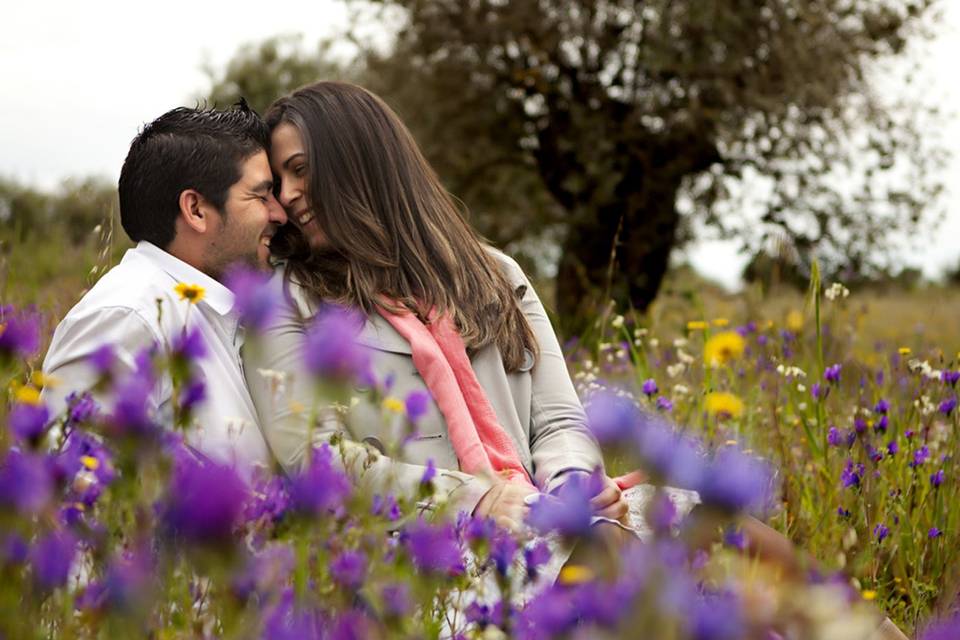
<point x="609" y="503"/>
<point x="504" y="502"/>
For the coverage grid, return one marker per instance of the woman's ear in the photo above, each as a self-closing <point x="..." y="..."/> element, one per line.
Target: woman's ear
<point x="195" y="211"/>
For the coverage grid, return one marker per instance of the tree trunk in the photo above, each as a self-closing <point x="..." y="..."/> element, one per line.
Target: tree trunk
<point x="621" y="253"/>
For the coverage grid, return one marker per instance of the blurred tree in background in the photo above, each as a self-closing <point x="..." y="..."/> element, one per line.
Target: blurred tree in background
<point x="640" y="119"/>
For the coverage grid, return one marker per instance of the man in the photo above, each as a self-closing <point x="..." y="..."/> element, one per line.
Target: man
<point x="196" y="195"/>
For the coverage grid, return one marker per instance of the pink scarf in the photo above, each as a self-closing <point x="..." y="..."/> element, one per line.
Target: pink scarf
<point x="481" y="444"/>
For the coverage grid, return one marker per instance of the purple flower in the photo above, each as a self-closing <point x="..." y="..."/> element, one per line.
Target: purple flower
<point x="484" y="615"/>
<point x="832" y="373"/>
<point x="131" y="414"/>
<point x="881" y="425"/>
<point x="649" y="387"/>
<point x="833" y="437"/>
<point x="331" y="349"/>
<point x="859" y="425"/>
<point x="715" y="618"/>
<point x="843" y="513"/>
<point x="934" y="533"/>
<point x="948" y="405"/>
<point x="503" y="549"/>
<point x="944" y="629"/>
<point x="417" y="403"/>
<point x="611" y="418"/>
<point x="893" y="447"/>
<point x="102" y="359"/>
<point x="194" y="393"/>
<point x="349" y="569"/>
<point x="397" y="602"/>
<point x="269" y="499"/>
<point x="254" y="300"/>
<point x="81" y="408"/>
<point x="535" y="555"/>
<point x="429" y="472"/>
<point x="920" y="456"/>
<point x="736" y="482"/>
<point x="936" y="479"/>
<point x="25" y="482"/>
<point x="851" y="475"/>
<point x="321" y="487"/>
<point x="880" y="532"/>
<point x="950" y="377"/>
<point x="19" y="333"/>
<point x="818" y="392"/>
<point x="125" y="586"/>
<point x="189" y="345"/>
<point x="204" y="500"/>
<point x="433" y="547"/>
<point x="263" y="572"/>
<point x="51" y="558"/>
<point x="568" y="511"/>
<point x="664" y="404"/>
<point x="881" y="407"/>
<point x="662" y="514"/>
<point x="28" y="421"/>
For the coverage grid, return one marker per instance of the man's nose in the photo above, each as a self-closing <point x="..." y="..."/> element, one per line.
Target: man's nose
<point x="276" y="211"/>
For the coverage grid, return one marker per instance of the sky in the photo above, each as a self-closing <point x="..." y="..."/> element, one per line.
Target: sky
<point x="77" y="81"/>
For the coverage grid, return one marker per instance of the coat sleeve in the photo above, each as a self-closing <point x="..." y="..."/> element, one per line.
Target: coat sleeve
<point x="560" y="441"/>
<point x="293" y="420"/>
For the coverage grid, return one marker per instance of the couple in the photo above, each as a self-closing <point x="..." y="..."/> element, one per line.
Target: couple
<point x="332" y="192"/>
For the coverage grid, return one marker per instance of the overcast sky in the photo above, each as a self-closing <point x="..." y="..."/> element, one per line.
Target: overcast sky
<point x="77" y="80"/>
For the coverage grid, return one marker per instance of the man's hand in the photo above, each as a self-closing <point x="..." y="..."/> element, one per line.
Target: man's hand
<point x="609" y="503"/>
<point x="504" y="503"/>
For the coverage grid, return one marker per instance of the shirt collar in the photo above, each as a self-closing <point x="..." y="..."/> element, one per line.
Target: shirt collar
<point x="216" y="296"/>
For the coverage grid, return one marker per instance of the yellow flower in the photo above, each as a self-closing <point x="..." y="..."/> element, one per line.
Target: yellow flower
<point x="905" y="351"/>
<point x="393" y="404"/>
<point x="869" y="594"/>
<point x="722" y="348"/>
<point x="40" y="381"/>
<point x="724" y="405"/>
<point x="721" y="322"/>
<point x="90" y="462"/>
<point x="795" y="321"/>
<point x="28" y="395"/>
<point x="575" y="574"/>
<point x="191" y="292"/>
<point x="697" y="325"/>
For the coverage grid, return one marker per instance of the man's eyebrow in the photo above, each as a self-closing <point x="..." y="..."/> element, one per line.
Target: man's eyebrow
<point x="266" y="185"/>
<point x="287" y="162"/>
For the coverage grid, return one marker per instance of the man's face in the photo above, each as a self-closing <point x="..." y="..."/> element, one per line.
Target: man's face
<point x="250" y="217"/>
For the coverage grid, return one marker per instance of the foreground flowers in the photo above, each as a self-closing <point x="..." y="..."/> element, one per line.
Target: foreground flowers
<point x="110" y="525"/>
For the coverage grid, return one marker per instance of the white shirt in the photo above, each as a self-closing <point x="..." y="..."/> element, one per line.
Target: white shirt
<point x="121" y="309"/>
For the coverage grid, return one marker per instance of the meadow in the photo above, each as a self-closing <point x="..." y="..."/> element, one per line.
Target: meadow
<point x="838" y="408"/>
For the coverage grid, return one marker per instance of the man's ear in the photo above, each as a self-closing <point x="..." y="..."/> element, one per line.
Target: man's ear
<point x="195" y="210"/>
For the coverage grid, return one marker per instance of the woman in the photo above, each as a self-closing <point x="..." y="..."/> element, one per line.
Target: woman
<point x="372" y="228"/>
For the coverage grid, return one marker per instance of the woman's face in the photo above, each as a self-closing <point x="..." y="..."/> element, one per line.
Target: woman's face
<point x="288" y="159"/>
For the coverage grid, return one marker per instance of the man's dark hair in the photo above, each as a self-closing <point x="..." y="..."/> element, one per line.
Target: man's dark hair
<point x="199" y="149"/>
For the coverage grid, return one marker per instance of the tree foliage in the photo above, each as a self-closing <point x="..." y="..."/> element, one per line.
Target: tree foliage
<point x="643" y="120"/>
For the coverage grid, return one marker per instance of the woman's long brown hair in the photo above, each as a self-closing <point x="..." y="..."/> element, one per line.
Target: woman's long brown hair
<point x="392" y="230"/>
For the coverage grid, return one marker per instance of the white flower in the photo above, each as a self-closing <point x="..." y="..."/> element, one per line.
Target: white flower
<point x="680" y="342"/>
<point x="653" y="342"/>
<point x="617" y="322"/>
<point x="673" y="370"/>
<point x="680" y="390"/>
<point x="836" y="290"/>
<point x="801" y="388"/>
<point x="684" y="357"/>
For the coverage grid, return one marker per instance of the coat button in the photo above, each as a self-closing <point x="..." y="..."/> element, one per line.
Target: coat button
<point x="528" y="360"/>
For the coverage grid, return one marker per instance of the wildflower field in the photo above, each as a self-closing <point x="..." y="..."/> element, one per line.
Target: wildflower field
<point x="831" y="416"/>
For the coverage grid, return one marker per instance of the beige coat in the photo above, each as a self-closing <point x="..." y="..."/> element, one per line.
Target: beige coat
<point x="538" y="406"/>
